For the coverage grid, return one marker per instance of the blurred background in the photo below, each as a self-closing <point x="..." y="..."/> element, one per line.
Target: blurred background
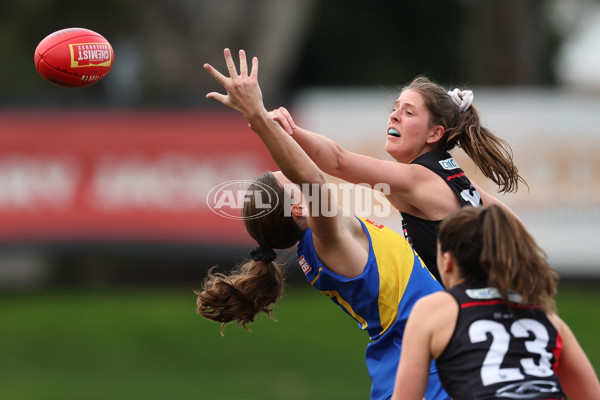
<point x="106" y="227"/>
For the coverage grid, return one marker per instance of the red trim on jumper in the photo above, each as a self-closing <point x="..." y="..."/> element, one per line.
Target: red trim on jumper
<point x="557" y="351"/>
<point x="492" y="302"/>
<point x="455" y="176"/>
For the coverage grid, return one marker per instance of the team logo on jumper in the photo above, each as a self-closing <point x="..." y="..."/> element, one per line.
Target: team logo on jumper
<point x="304" y="265"/>
<point x="90" y="55"/>
<point x="449" y="163"/>
<point x="527" y="390"/>
<point x="229" y="198"/>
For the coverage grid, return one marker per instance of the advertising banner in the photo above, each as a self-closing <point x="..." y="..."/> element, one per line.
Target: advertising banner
<point x="102" y="175"/>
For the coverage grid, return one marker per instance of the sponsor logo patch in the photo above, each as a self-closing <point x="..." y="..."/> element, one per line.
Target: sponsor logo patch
<point x="375" y="224"/>
<point x="304" y="265"/>
<point x="492" y="293"/>
<point x="90" y="54"/>
<point x="449" y="163"/>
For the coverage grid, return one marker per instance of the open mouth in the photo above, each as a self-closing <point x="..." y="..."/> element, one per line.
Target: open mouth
<point x="393" y="132"/>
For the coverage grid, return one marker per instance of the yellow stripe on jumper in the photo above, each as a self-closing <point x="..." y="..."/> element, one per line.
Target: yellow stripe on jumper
<point x="312" y="283"/>
<point x="395" y="261"/>
<point x="343" y="303"/>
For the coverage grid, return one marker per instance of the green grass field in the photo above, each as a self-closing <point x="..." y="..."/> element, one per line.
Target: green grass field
<point x="150" y="344"/>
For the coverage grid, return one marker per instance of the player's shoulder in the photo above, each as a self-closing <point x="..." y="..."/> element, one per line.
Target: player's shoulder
<point x="557" y="322"/>
<point x="434" y="313"/>
<point x="435" y="303"/>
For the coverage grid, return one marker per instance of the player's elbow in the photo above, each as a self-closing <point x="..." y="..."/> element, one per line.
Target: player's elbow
<point x="338" y="160"/>
<point x="318" y="177"/>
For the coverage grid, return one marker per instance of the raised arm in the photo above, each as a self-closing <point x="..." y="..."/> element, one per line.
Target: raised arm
<point x="409" y="187"/>
<point x="244" y="95"/>
<point x="335" y="234"/>
<point x="349" y="166"/>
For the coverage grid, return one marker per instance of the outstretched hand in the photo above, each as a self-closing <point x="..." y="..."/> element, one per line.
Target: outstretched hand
<point x="243" y="91"/>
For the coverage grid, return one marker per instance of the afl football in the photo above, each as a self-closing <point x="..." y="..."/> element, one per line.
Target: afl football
<point x="73" y="57"/>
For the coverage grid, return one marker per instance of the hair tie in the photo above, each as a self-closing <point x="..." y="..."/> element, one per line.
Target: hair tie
<point x="462" y="98"/>
<point x="263" y="253"/>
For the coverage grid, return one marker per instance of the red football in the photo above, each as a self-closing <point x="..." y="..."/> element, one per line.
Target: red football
<point x="73" y="57"/>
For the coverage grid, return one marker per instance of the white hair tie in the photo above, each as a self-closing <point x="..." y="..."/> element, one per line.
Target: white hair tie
<point x="462" y="99"/>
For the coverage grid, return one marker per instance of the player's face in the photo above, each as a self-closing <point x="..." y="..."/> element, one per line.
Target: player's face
<point x="408" y="128"/>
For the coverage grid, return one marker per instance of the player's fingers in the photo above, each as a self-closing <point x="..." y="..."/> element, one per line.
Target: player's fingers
<point x="230" y="64"/>
<point x="243" y="64"/>
<point x="254" y="71"/>
<point x="281" y="120"/>
<point x="219" y="77"/>
<point x="288" y="117"/>
<point x="221" y="98"/>
<point x="285" y="125"/>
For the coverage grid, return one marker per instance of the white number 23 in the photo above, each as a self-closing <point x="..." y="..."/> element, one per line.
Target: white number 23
<point x="491" y="372"/>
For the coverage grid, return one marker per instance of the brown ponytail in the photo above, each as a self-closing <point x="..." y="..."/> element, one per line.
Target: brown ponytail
<point x="252" y="287"/>
<point x="492" y="155"/>
<point x="249" y="289"/>
<point x="493" y="247"/>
